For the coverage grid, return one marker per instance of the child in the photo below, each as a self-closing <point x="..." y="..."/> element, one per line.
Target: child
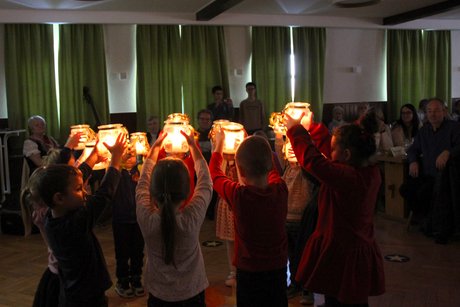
<point x="259" y="206"/>
<point x="68" y="226"/>
<point x="127" y="236"/>
<point x="175" y="274"/>
<point x="302" y="203"/>
<point x="341" y="258"/>
<point x="47" y="293"/>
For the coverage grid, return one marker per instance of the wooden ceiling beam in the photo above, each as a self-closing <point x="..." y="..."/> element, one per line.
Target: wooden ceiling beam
<point x="215" y="8"/>
<point x="422" y="12"/>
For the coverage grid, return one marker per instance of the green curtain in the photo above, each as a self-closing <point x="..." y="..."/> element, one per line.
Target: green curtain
<point x="204" y="65"/>
<point x="82" y="63"/>
<point x="309" y="53"/>
<point x="270" y="66"/>
<point x="418" y="66"/>
<point x="29" y="75"/>
<point x="158" y="72"/>
<point x="437" y="65"/>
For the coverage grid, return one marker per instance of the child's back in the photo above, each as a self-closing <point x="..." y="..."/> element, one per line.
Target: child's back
<point x="260" y="208"/>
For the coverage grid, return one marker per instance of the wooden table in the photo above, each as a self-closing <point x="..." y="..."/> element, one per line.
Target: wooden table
<point x="395" y="170"/>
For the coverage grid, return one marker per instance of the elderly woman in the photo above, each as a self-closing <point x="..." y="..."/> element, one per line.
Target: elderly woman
<point x="38" y="144"/>
<point x="337" y="118"/>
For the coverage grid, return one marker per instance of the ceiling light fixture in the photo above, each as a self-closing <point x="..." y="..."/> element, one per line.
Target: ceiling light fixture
<point x="354" y="3"/>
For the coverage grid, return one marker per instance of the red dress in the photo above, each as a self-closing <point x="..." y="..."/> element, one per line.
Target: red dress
<point x="341" y="259"/>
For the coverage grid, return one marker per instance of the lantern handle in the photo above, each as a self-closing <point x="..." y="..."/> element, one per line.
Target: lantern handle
<point x="89" y="100"/>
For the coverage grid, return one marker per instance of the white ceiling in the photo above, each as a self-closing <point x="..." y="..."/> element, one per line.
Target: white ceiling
<point x="248" y="12"/>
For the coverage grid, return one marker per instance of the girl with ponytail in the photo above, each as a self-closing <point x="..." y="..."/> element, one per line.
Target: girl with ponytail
<point x="341" y="258"/>
<point x="175" y="268"/>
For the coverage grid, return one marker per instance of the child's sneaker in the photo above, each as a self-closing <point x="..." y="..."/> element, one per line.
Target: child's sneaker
<point x="307" y="298"/>
<point x="136" y="285"/>
<point x="123" y="289"/>
<point x="231" y="280"/>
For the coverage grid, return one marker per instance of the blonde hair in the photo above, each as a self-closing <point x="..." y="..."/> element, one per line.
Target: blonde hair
<point x="254" y="157"/>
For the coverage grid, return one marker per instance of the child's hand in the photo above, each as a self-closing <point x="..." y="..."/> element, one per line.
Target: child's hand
<point x="155" y="149"/>
<point x="117" y="150"/>
<point x="305" y="120"/>
<point x="189" y="138"/>
<point x="220" y="138"/>
<point x="73" y="140"/>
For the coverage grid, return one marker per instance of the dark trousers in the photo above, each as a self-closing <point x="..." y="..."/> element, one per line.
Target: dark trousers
<point x="293" y="230"/>
<point x="47" y="293"/>
<point x="129" y="250"/>
<point x="196" y="301"/>
<point x="261" y="289"/>
<point x="333" y="302"/>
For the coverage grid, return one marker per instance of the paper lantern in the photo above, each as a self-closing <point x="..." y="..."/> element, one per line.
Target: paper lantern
<point x="276" y="123"/>
<point x="295" y="110"/>
<point x="89" y="146"/>
<point x="138" y="140"/>
<point x="175" y="142"/>
<point x="216" y="125"/>
<point x="234" y="135"/>
<point x="108" y="134"/>
<point x="88" y="135"/>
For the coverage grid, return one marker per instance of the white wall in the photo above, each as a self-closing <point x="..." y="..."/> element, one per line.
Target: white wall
<point x="238" y="44"/>
<point x="455" y="50"/>
<point x="355" y="66"/>
<point x="120" y="48"/>
<point x="3" y="109"/>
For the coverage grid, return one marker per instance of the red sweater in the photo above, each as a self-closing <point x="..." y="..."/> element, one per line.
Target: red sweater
<point x="260" y="219"/>
<point x="341" y="258"/>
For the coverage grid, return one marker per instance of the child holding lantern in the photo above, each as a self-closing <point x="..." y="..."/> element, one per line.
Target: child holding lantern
<point x="175" y="274"/>
<point x="302" y="201"/>
<point x="127" y="236"/>
<point x="259" y="205"/>
<point x="225" y="225"/>
<point x="69" y="223"/>
<point x="341" y="258"/>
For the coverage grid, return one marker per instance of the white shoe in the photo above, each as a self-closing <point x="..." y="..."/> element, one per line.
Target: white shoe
<point x="231" y="279"/>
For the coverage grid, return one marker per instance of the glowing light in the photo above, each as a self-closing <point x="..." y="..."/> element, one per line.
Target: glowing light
<point x="234" y="135"/>
<point x="175" y="142"/>
<point x="88" y="135"/>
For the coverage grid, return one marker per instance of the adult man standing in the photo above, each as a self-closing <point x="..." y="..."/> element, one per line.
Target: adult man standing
<point x="436" y="147"/>
<point x="221" y="108"/>
<point x="252" y="113"/>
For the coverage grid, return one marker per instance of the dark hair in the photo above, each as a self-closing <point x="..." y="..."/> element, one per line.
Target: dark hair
<point x="422" y="104"/>
<point x="415" y="121"/>
<point x="207" y="111"/>
<point x="359" y="137"/>
<point x="251" y="84"/>
<point x="52" y="179"/>
<point x="254" y="157"/>
<point x="169" y="186"/>
<point x="216" y="88"/>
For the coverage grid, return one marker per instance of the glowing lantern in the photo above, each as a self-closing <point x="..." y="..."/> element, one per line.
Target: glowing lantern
<point x="175" y="142"/>
<point x="234" y="135"/>
<point x="88" y="135"/>
<point x="85" y="154"/>
<point x="295" y="110"/>
<point x="289" y="151"/>
<point x="215" y="125"/>
<point x="108" y="134"/>
<point x="140" y="143"/>
<point x="276" y="123"/>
